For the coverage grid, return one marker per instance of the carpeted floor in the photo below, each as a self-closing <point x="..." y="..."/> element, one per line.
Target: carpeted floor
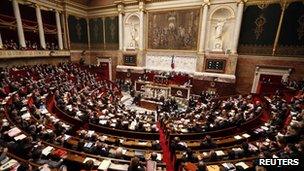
<point x="166" y="150"/>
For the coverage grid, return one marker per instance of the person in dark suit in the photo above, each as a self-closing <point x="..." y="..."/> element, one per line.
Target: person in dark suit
<point x="140" y="127"/>
<point x="23" y="147"/>
<point x="24" y="167"/>
<point x="207" y="142"/>
<point x="36" y="156"/>
<point x="202" y="166"/>
<point x="153" y="156"/>
<point x="245" y="147"/>
<point x="80" y="145"/>
<point x="135" y="165"/>
<point x="3" y="152"/>
<point x="189" y="157"/>
<point x="212" y="156"/>
<point x="104" y="150"/>
<point x="88" y="166"/>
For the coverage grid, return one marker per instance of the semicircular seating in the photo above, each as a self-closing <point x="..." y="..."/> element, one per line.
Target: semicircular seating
<point x="68" y="114"/>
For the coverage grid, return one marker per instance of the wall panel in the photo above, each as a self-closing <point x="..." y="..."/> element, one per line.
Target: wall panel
<point x="258" y="30"/>
<point x="291" y="40"/>
<point x="96" y="33"/>
<point x="78" y="32"/>
<point x="111" y="33"/>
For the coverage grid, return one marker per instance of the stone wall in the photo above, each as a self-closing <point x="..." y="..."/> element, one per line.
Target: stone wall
<point x="246" y="68"/>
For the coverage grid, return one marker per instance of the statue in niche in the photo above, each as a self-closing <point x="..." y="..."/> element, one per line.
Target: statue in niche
<point x="219" y="28"/>
<point x="218" y="42"/>
<point x="134" y="33"/>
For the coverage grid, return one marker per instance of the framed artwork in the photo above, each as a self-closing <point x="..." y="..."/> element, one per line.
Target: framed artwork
<point x="175" y="30"/>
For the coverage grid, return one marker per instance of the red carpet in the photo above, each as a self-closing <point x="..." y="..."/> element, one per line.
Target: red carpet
<point x="166" y="151"/>
<point x="265" y="116"/>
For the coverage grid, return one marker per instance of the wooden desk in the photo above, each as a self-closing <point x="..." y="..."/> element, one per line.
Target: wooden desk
<point x="147" y="104"/>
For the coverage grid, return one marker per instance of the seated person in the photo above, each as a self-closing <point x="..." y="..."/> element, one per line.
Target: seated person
<point x="212" y="156"/>
<point x="22" y="147"/>
<point x="202" y="166"/>
<point x="153" y="156"/>
<point x="207" y="142"/>
<point x="3" y="157"/>
<point x="37" y="158"/>
<point x="245" y="147"/>
<point x="24" y="167"/>
<point x="189" y="157"/>
<point x="100" y="149"/>
<point x="176" y="144"/>
<point x="89" y="165"/>
<point x="135" y="165"/>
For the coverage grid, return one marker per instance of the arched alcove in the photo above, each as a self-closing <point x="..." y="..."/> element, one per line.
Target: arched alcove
<point x="131" y="31"/>
<point x="222" y="20"/>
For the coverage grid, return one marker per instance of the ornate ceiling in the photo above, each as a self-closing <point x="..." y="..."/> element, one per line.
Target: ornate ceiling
<point x="95" y="3"/>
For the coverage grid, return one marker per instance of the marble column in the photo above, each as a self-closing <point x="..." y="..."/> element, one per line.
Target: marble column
<point x="1" y="43"/>
<point x="88" y="33"/>
<point x="203" y="28"/>
<point x="237" y="29"/>
<point x="40" y="27"/>
<point x="141" y="25"/>
<point x="64" y="35"/>
<point x="19" y="24"/>
<point x="120" y="9"/>
<point x="59" y="31"/>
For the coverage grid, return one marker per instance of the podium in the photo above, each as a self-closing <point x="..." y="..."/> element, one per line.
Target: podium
<point x="156" y="92"/>
<point x="151" y="90"/>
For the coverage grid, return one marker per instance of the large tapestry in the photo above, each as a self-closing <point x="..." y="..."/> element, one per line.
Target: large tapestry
<point x="259" y="28"/>
<point x="96" y="33"/>
<point x="177" y="30"/>
<point x="78" y="32"/>
<point x="111" y="33"/>
<point x="291" y="40"/>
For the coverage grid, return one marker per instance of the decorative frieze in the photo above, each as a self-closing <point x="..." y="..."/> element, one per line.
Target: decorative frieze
<point x="7" y="54"/>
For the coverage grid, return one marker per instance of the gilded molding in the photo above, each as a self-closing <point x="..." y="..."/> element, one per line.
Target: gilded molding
<point x="47" y="5"/>
<point x="206" y="2"/>
<point x="120" y="9"/>
<point x="141" y="6"/>
<point x="259" y="2"/>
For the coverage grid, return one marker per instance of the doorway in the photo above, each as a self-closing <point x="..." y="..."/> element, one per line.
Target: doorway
<point x="269" y="79"/>
<point x="106" y="66"/>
